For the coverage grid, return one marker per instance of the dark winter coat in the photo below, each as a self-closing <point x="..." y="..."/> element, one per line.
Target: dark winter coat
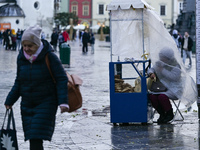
<point x="92" y="40"/>
<point x="40" y="96"/>
<point x="54" y="38"/>
<point x="85" y="38"/>
<point x="190" y="43"/>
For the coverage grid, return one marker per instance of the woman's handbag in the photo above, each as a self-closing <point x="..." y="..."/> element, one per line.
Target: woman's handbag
<point x="8" y="136"/>
<point x="74" y="94"/>
<point x="157" y="86"/>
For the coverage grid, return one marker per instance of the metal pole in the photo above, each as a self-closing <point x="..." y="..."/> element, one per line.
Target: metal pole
<point x="71" y="28"/>
<point x="198" y="53"/>
<point x="143" y="31"/>
<point x="101" y="33"/>
<point x="110" y="36"/>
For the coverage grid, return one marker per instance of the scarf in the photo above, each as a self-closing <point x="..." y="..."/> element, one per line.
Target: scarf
<point x="32" y="58"/>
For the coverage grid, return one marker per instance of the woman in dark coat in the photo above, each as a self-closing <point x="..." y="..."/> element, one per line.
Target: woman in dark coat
<point x="54" y="39"/>
<point x="40" y="96"/>
<point x="85" y="41"/>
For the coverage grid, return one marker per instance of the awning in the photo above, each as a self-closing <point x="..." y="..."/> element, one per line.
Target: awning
<point x="127" y="4"/>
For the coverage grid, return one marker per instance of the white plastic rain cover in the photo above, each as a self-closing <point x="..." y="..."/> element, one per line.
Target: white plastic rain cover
<point x="127" y="33"/>
<point x="127" y="41"/>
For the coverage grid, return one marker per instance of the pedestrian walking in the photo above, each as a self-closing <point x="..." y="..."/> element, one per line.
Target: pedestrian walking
<point x="5" y="34"/>
<point x="92" y="42"/>
<point x="65" y="35"/>
<point x="43" y="36"/>
<point x="166" y="69"/>
<point x="85" y="41"/>
<point x="1" y="37"/>
<point x="81" y="37"/>
<point x="54" y="39"/>
<point x="13" y="38"/>
<point x="187" y="44"/>
<point x="8" y="39"/>
<point x="19" y="36"/>
<point x="177" y="39"/>
<point x="34" y="84"/>
<point x="74" y="35"/>
<point x="60" y="39"/>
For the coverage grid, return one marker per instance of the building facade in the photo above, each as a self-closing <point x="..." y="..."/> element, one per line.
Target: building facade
<point x="11" y="15"/>
<point x="83" y="9"/>
<point x="39" y="12"/>
<point x="89" y="12"/>
<point x="99" y="13"/>
<point x="63" y="5"/>
<point x="168" y="10"/>
<point x="186" y="20"/>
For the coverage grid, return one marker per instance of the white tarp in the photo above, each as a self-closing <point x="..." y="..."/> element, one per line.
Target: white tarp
<point x="79" y="27"/>
<point x="129" y="36"/>
<point x="68" y="27"/>
<point x="96" y="27"/>
<point x="127" y="4"/>
<point x="129" y="41"/>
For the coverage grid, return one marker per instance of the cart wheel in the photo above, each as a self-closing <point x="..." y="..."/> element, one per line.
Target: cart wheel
<point x="144" y="123"/>
<point x="125" y="124"/>
<point x="114" y="124"/>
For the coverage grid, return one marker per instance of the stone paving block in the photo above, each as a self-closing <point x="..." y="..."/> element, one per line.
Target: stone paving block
<point x="95" y="146"/>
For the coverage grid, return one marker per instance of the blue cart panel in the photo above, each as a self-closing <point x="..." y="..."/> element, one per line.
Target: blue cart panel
<point x="128" y="107"/>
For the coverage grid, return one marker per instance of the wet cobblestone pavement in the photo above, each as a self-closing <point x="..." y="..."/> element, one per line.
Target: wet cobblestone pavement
<point x="89" y="128"/>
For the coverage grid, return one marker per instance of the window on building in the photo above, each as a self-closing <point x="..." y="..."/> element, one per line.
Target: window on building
<point x="36" y="5"/>
<point x="74" y="9"/>
<point x="162" y="10"/>
<point x="180" y="7"/>
<point x="101" y="9"/>
<point x="17" y="21"/>
<point x="85" y="10"/>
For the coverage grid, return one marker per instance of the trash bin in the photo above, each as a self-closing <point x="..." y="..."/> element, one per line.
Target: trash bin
<point x="65" y="53"/>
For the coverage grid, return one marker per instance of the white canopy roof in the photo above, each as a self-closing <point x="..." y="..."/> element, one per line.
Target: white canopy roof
<point x="95" y="27"/>
<point x="127" y="4"/>
<point x="79" y="27"/>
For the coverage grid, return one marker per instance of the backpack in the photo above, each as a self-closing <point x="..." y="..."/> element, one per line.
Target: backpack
<point x="74" y="94"/>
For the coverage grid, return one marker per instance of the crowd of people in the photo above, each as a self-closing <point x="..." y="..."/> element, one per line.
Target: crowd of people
<point x="11" y="39"/>
<point x="86" y="38"/>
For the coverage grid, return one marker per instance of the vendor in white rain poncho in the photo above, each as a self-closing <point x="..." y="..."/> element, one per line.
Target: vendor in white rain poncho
<point x="168" y="71"/>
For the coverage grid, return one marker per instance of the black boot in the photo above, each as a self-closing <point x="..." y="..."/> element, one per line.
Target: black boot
<point x="162" y="115"/>
<point x="169" y="116"/>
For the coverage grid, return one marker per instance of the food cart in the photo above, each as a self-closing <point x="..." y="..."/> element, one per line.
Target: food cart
<point x="137" y="35"/>
<point x="128" y="90"/>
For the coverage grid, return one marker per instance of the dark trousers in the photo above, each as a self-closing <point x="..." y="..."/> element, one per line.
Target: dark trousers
<point x="55" y="47"/>
<point x="85" y="47"/>
<point x="36" y="144"/>
<point x="160" y="100"/>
